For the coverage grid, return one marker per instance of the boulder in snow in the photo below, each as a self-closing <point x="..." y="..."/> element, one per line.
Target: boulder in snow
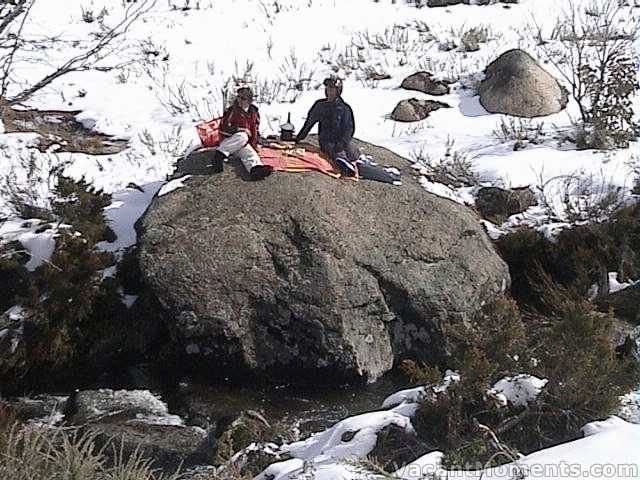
<point x="414" y="110"/>
<point x="424" y="82"/>
<point x="515" y="84"/>
<point x="497" y="204"/>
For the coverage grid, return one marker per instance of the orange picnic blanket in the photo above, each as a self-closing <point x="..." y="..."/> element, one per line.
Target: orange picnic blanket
<point x="282" y="157"/>
<point x="296" y="160"/>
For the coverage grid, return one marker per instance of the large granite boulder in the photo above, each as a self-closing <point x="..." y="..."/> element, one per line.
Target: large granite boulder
<point x="515" y="84"/>
<point x="303" y="273"/>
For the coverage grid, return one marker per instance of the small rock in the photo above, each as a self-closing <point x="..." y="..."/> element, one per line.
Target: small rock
<point x="497" y="204"/>
<point x="424" y="82"/>
<point x="396" y="447"/>
<point x="42" y="407"/>
<point x="414" y="110"/>
<point x="170" y="447"/>
<point x="234" y="434"/>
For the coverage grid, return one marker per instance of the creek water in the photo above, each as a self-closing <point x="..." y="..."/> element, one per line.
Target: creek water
<point x="308" y="408"/>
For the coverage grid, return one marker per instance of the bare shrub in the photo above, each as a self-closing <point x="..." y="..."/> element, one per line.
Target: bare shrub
<point x="471" y="39"/>
<point x="592" y="48"/>
<point x="580" y="198"/>
<point x="28" y="186"/>
<point x="171" y="143"/>
<point x="455" y="169"/>
<point x="87" y="15"/>
<point x="186" y="98"/>
<point x="296" y="74"/>
<point x="520" y="131"/>
<point x="14" y="16"/>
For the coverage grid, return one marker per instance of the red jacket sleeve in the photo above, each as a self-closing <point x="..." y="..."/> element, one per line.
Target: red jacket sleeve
<point x="255" y="130"/>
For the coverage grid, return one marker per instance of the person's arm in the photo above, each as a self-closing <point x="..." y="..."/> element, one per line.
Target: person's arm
<point x="347" y="129"/>
<point x="255" y="134"/>
<point x="312" y="119"/>
<point x="226" y="128"/>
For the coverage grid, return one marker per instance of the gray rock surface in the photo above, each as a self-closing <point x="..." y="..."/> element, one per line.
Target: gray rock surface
<point x="497" y="204"/>
<point x="625" y="304"/>
<point x="304" y="273"/>
<point x="126" y="421"/>
<point x="515" y="84"/>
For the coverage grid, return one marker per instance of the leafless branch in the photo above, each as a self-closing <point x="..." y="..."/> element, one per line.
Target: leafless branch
<point x="102" y="48"/>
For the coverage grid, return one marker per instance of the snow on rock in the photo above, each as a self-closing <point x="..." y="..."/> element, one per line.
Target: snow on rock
<point x="15" y="313"/>
<point x="417" y="394"/>
<point x="449" y="377"/>
<point x="173" y="185"/>
<point x="365" y="428"/>
<point x="608" y="450"/>
<point x="630" y="407"/>
<point x="411" y="395"/>
<point x="518" y="390"/>
<point x="39" y="244"/>
<point x="126" y="208"/>
<point x="92" y="405"/>
<point x="603" y="425"/>
<point x="615" y="285"/>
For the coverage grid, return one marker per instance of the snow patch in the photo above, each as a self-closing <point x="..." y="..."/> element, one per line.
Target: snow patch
<point x="173" y="185"/>
<point x="39" y="244"/>
<point x="518" y="390"/>
<point x="411" y="395"/>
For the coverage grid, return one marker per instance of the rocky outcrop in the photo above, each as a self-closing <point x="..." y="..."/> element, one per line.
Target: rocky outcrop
<point x="129" y="421"/>
<point x="516" y="85"/>
<point x="414" y="110"/>
<point x="304" y="273"/>
<point x="625" y="303"/>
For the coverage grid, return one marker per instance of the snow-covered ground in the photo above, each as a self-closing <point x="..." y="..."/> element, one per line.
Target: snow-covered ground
<point x="169" y="73"/>
<point x="609" y="448"/>
<point x="170" y="69"/>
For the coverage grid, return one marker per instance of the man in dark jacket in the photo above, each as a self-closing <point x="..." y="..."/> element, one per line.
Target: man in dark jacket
<point x="336" y="126"/>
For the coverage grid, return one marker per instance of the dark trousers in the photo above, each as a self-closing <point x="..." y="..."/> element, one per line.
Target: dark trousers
<point x="330" y="150"/>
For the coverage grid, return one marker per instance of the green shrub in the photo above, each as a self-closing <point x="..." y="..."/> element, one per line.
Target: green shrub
<point x="64" y="296"/>
<point x="13" y="274"/>
<point x="571" y="348"/>
<point x="577" y="259"/>
<point x="586" y="376"/>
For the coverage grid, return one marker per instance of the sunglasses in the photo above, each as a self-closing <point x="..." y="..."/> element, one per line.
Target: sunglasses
<point x="246" y="98"/>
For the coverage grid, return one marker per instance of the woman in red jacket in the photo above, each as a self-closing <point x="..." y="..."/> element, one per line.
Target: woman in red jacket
<point x="240" y="128"/>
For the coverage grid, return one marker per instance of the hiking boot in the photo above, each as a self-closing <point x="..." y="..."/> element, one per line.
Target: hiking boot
<point x="260" y="171"/>
<point x="217" y="163"/>
<point x="345" y="167"/>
